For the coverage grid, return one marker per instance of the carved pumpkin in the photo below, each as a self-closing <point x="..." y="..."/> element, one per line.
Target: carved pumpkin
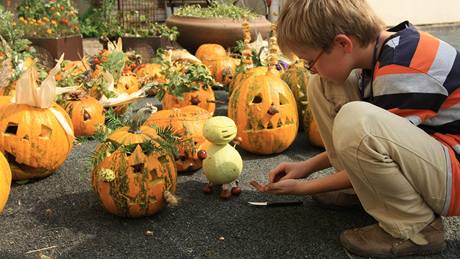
<point x="297" y="76"/>
<point x="187" y="122"/>
<point x="210" y="51"/>
<point x="87" y="114"/>
<point x="5" y="181"/>
<point x="134" y="173"/>
<point x="33" y="140"/>
<point x="222" y="69"/>
<point x="203" y="98"/>
<point x="127" y="84"/>
<point x="265" y="112"/>
<point x="311" y="129"/>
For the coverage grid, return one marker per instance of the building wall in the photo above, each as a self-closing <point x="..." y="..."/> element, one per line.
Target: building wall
<point x="416" y="11"/>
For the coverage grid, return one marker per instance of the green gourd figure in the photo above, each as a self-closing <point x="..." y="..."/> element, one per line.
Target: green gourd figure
<point x="222" y="163"/>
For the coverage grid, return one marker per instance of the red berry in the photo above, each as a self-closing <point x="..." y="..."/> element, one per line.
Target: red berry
<point x="202" y="154"/>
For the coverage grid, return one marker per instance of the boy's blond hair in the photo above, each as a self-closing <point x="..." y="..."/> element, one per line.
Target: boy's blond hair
<point x="315" y="23"/>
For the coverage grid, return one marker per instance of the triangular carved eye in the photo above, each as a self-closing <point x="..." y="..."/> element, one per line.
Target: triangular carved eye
<point x="138" y="168"/>
<point x="283" y="99"/>
<point x="45" y="132"/>
<point x="86" y="115"/>
<point x="12" y="128"/>
<point x="257" y="99"/>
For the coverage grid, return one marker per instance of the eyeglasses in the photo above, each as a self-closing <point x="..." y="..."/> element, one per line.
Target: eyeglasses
<point x="309" y="65"/>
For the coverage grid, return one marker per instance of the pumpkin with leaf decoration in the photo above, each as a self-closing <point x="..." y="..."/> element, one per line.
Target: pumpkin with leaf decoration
<point x="188" y="84"/>
<point x="134" y="173"/>
<point x="188" y="123"/>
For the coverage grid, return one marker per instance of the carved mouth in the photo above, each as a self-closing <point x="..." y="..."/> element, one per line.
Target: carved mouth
<point x="260" y="126"/>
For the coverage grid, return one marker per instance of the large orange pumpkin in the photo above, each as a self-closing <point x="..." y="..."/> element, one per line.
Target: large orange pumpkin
<point x="187" y="122"/>
<point x="87" y="114"/>
<point x="133" y="173"/>
<point x="210" y="51"/>
<point x="32" y="139"/>
<point x="265" y="113"/>
<point x="203" y="98"/>
<point x="5" y="181"/>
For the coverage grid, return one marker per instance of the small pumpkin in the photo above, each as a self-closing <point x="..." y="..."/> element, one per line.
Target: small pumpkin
<point x="223" y="69"/>
<point x="5" y="181"/>
<point x="203" y="98"/>
<point x="127" y="84"/>
<point x="311" y="129"/>
<point x="133" y="173"/>
<point x="210" y="51"/>
<point x="188" y="123"/>
<point x="86" y="113"/>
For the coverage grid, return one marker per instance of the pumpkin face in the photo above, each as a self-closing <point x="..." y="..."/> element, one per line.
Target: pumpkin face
<point x="210" y="51"/>
<point x="131" y="180"/>
<point x="203" y="98"/>
<point x="127" y="84"/>
<point x="222" y="69"/>
<point x="5" y="181"/>
<point x="188" y="122"/>
<point x="86" y="114"/>
<point x="33" y="140"/>
<point x="265" y="112"/>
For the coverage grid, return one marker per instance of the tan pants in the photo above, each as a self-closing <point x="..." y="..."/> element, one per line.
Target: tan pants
<point x="397" y="170"/>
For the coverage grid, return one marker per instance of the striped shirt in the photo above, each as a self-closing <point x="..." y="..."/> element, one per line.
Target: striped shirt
<point x="417" y="76"/>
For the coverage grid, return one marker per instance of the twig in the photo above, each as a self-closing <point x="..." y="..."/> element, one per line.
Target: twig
<point x="348" y="254"/>
<point x="41" y="249"/>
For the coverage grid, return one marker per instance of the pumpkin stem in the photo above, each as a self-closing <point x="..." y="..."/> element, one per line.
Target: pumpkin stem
<point x="273" y="50"/>
<point x="139" y="117"/>
<point x="247" y="51"/>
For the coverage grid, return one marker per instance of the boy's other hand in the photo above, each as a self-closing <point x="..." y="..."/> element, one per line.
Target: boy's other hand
<point x="284" y="171"/>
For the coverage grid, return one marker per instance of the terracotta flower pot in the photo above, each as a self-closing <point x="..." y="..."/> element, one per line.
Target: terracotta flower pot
<point x="51" y="49"/>
<point x="194" y="31"/>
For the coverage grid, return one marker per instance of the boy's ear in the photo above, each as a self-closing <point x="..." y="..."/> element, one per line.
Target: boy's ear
<point x="344" y="42"/>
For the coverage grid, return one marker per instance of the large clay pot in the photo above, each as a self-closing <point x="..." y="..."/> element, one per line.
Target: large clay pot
<point x="194" y="31"/>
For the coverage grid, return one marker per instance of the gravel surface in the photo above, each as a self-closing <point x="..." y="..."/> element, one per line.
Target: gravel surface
<point x="61" y="215"/>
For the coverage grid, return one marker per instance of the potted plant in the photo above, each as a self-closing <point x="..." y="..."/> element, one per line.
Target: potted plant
<point x="137" y="32"/>
<point x="219" y="23"/>
<point x="52" y="27"/>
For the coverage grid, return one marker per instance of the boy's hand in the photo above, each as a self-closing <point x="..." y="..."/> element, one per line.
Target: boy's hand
<point x="287" y="171"/>
<point x="289" y="186"/>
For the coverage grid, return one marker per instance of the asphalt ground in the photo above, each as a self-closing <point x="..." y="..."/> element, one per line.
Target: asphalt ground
<point x="60" y="216"/>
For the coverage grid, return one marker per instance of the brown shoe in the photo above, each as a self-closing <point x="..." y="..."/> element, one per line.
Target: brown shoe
<point x="337" y="200"/>
<point x="373" y="241"/>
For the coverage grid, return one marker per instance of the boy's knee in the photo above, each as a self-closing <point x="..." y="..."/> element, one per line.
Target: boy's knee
<point x="351" y="124"/>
